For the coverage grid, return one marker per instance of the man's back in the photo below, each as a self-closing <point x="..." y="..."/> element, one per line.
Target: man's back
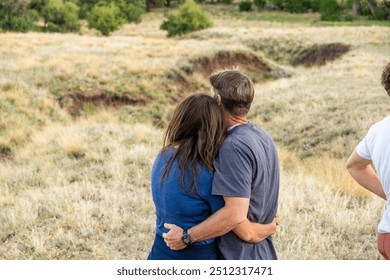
<point x="247" y="166"/>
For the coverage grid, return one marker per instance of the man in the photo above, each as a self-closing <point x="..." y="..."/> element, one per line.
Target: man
<point x="375" y="148"/>
<point x="246" y="175"/>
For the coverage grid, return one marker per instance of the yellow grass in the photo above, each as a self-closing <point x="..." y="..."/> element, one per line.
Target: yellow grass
<point x="79" y="188"/>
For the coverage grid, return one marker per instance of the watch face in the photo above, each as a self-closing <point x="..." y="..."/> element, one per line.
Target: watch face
<point x="186" y="239"/>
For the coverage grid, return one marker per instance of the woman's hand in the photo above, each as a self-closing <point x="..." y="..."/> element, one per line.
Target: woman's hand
<point x="255" y="232"/>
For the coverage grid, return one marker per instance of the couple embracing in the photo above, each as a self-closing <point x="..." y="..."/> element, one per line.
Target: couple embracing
<point x="215" y="183"/>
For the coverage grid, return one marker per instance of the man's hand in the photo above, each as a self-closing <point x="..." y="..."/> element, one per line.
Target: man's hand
<point x="361" y="170"/>
<point x="173" y="237"/>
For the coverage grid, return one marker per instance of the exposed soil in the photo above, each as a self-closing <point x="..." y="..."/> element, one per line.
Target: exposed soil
<point x="184" y="79"/>
<point x="319" y="55"/>
<point x="249" y="63"/>
<point x="5" y="152"/>
<point x="101" y="99"/>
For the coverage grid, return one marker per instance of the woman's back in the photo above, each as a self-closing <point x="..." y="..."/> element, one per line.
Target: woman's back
<point x="182" y="175"/>
<point x="174" y="205"/>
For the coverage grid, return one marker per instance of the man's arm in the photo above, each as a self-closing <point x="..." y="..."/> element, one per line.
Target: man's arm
<point x="254" y="232"/>
<point x="224" y="220"/>
<point x="361" y="170"/>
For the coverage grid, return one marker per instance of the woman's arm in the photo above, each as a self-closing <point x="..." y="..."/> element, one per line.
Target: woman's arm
<point x="255" y="232"/>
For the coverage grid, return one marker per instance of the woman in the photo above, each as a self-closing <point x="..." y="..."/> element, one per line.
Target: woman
<point x="182" y="175"/>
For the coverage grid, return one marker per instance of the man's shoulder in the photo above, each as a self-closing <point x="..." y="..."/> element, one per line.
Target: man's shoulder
<point x="246" y="138"/>
<point x="382" y="125"/>
<point x="385" y="121"/>
<point x="248" y="133"/>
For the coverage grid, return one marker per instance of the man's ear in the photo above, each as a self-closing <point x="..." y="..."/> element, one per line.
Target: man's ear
<point x="219" y="100"/>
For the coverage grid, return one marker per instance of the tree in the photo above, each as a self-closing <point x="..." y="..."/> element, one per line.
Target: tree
<point x="330" y="10"/>
<point x="357" y="7"/>
<point x="245" y="6"/>
<point x="15" y="7"/>
<point x="105" y="18"/>
<point x="260" y="4"/>
<point x="372" y="5"/>
<point x="132" y="10"/>
<point x="86" y="7"/>
<point x="189" y="18"/>
<point x="60" y="16"/>
<point x="387" y="4"/>
<point x="15" y="15"/>
<point x="150" y="4"/>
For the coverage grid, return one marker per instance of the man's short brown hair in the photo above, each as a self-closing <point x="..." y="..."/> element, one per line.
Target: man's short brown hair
<point x="386" y="78"/>
<point x="236" y="90"/>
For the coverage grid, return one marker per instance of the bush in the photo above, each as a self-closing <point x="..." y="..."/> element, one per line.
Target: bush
<point x="245" y="6"/>
<point x="105" y="18"/>
<point x="15" y="23"/>
<point x="86" y="7"/>
<point x="132" y="10"/>
<point x="189" y="18"/>
<point x="349" y="17"/>
<point x="330" y="10"/>
<point x="260" y="4"/>
<point x="297" y="6"/>
<point x="381" y="12"/>
<point x="15" y="16"/>
<point x="60" y="16"/>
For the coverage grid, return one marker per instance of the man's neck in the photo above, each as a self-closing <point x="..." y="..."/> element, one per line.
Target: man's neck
<point x="234" y="120"/>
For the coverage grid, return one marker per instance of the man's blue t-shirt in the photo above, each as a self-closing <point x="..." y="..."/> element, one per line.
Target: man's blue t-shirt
<point x="175" y="206"/>
<point x="247" y="166"/>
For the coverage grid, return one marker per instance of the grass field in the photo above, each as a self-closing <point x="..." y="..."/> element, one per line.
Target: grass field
<point x="82" y="118"/>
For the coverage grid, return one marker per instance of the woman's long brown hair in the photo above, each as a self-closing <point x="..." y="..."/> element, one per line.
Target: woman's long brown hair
<point x="195" y="132"/>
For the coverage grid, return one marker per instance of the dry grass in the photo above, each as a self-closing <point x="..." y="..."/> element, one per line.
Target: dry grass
<point x="318" y="223"/>
<point x="79" y="188"/>
<point x="60" y="203"/>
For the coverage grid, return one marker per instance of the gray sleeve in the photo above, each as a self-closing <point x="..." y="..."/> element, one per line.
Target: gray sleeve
<point x="233" y="173"/>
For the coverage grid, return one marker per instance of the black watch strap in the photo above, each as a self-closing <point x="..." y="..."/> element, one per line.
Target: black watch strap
<point x="186" y="238"/>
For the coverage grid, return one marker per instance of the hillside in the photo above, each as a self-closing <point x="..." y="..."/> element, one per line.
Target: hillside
<point x="82" y="119"/>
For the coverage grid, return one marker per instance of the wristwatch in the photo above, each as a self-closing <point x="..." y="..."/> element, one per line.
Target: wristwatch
<point x="186" y="238"/>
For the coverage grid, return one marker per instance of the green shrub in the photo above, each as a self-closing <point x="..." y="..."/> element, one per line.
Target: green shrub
<point x="132" y="10"/>
<point x="260" y="4"/>
<point x="278" y="4"/>
<point x="86" y="7"/>
<point x="381" y="12"/>
<point x="245" y="6"/>
<point x="105" y="18"/>
<point x="330" y="10"/>
<point x="15" y="16"/>
<point x="349" y="17"/>
<point x="189" y="18"/>
<point x="314" y="5"/>
<point x="227" y="1"/>
<point x="365" y="9"/>
<point x="60" y="16"/>
<point x="297" y="6"/>
<point x="15" y="23"/>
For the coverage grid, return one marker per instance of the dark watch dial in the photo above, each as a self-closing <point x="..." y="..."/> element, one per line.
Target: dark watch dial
<point x="186" y="238"/>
